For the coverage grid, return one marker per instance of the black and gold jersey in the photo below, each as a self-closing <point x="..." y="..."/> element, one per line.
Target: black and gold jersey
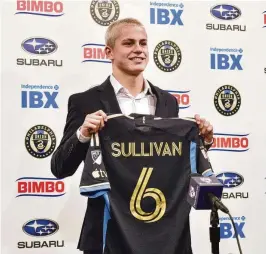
<point x="141" y="165"/>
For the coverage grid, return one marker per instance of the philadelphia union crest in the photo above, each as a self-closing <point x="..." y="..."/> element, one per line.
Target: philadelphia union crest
<point x="40" y="141"/>
<point x="227" y="100"/>
<point x="104" y="12"/>
<point x="167" y="56"/>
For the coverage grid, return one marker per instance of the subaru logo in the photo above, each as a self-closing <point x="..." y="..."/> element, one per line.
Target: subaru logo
<point x="40" y="227"/>
<point x="230" y="179"/>
<point x="39" y="46"/>
<point x="225" y="12"/>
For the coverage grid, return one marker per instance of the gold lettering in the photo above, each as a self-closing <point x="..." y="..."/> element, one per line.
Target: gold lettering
<point x="158" y="150"/>
<point x="142" y="145"/>
<point x="166" y="150"/>
<point x="123" y="149"/>
<point x="116" y="149"/>
<point x="140" y="150"/>
<point x="176" y="148"/>
<point x="141" y="192"/>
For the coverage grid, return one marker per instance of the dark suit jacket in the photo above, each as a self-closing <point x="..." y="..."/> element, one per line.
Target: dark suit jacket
<point x="70" y="152"/>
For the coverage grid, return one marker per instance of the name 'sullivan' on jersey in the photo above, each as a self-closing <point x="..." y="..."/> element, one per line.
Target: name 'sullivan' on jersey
<point x="142" y="149"/>
<point x="230" y="142"/>
<point x="40" y="8"/>
<point x="39" y="47"/>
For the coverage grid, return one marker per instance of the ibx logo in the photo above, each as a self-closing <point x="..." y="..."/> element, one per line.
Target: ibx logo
<point x="162" y="13"/>
<point x="39" y="46"/>
<point x="39" y="96"/>
<point x="40" y="8"/>
<point x="227" y="230"/>
<point x="231" y="180"/>
<point x="183" y="98"/>
<point x="226" y="59"/>
<point x="40" y="187"/>
<point x="264" y="19"/>
<point x="40" y="228"/>
<point x="226" y="142"/>
<point x="226" y="12"/>
<point x="94" y="53"/>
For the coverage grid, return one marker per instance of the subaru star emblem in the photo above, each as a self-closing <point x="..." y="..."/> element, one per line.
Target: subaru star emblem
<point x="39" y="46"/>
<point x="230" y="179"/>
<point x="225" y="12"/>
<point x="40" y="227"/>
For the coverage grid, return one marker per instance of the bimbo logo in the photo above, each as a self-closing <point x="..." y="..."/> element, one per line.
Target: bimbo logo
<point x="230" y="142"/>
<point x="40" y="187"/>
<point x="183" y="98"/>
<point x="94" y="53"/>
<point x="41" y="8"/>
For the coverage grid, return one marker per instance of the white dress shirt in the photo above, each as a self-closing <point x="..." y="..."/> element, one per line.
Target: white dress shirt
<point x="143" y="103"/>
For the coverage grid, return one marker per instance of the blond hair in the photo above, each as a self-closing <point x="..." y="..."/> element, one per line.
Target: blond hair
<point x="112" y="30"/>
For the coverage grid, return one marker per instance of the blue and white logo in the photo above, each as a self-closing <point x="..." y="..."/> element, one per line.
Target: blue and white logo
<point x="227" y="230"/>
<point x="39" y="46"/>
<point x="40" y="227"/>
<point x="225" y="12"/>
<point x="230" y="179"/>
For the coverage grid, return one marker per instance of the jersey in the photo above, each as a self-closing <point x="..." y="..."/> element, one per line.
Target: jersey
<point x="141" y="166"/>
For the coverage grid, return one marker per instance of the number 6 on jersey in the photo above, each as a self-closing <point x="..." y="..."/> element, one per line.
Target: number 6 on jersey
<point x="140" y="192"/>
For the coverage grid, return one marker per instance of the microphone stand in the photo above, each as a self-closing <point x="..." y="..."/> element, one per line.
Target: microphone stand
<point x="214" y="231"/>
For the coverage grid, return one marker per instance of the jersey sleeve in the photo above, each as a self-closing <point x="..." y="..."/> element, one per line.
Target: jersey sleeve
<point x="199" y="159"/>
<point x="94" y="180"/>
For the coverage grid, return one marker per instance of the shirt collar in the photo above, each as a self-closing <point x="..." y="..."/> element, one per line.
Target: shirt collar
<point x="117" y="86"/>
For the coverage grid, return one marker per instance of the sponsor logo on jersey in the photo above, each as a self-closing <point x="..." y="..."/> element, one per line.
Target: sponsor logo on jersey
<point x="230" y="142"/>
<point x="167" y="56"/>
<point x="93" y="52"/>
<point x="226" y="13"/>
<point x="104" y="12"/>
<point x="40" y="8"/>
<point x="40" y="47"/>
<point x="162" y="13"/>
<point x="40" y="187"/>
<point x="40" y="228"/>
<point x="183" y="98"/>
<point x="227" y="100"/>
<point x="40" y="141"/>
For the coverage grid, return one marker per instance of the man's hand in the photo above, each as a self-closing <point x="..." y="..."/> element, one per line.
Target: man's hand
<point x="93" y="122"/>
<point x="206" y="129"/>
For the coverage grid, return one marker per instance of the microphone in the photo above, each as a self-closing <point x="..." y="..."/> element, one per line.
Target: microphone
<point x="205" y="193"/>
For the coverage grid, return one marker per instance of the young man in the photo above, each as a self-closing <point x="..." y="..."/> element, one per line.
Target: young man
<point x="125" y="91"/>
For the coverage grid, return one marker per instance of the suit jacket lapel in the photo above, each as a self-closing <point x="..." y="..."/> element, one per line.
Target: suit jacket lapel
<point x="161" y="105"/>
<point x="108" y="98"/>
